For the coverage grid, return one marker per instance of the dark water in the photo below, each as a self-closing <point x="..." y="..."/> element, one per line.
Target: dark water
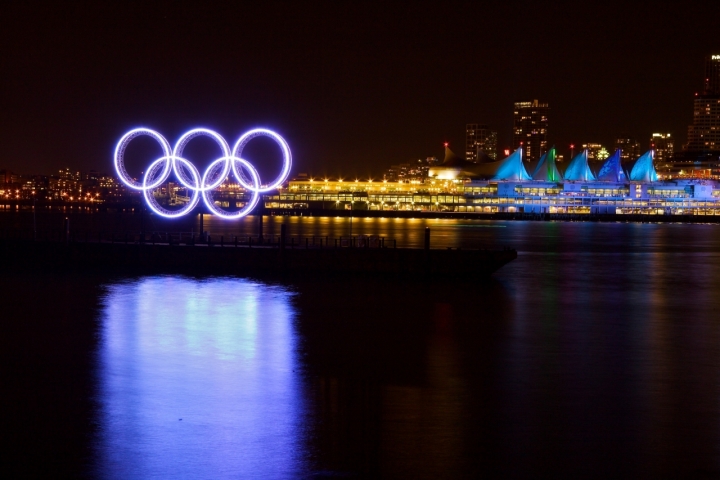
<point x="595" y="355"/>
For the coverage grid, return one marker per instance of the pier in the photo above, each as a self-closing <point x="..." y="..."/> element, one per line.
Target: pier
<point x="133" y="253"/>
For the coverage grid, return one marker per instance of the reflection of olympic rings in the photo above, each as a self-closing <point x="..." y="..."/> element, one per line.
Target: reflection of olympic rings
<point x="189" y="177"/>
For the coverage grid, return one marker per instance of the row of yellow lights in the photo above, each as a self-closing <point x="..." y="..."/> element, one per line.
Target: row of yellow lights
<point x="356" y="180"/>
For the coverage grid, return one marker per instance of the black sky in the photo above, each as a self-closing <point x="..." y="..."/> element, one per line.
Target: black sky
<point x="352" y="86"/>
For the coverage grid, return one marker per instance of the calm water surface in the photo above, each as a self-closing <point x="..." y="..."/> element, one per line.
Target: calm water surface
<point x="596" y="354"/>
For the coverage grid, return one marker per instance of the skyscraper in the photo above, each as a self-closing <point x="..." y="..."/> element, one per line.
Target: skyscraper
<point x="479" y="138"/>
<point x="712" y="75"/>
<point x="664" y="147"/>
<point x="704" y="133"/>
<point x="629" y="148"/>
<point x="530" y="127"/>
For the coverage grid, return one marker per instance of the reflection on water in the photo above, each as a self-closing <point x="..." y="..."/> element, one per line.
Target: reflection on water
<point x="197" y="379"/>
<point x="595" y="355"/>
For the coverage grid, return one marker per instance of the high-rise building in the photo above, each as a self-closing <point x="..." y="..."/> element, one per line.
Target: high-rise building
<point x="530" y="128"/>
<point x="704" y="133"/>
<point x="712" y="75"/>
<point x="480" y="139"/>
<point x="664" y="146"/>
<point x="629" y="148"/>
<point x="700" y="156"/>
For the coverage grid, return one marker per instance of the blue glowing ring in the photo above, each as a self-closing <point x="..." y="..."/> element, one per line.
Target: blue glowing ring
<point x="150" y="199"/>
<point x="119" y="160"/>
<point x="255" y="183"/>
<point x="218" y="171"/>
<point x="287" y="158"/>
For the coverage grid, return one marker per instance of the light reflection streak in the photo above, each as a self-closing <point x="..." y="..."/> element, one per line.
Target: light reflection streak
<point x="197" y="378"/>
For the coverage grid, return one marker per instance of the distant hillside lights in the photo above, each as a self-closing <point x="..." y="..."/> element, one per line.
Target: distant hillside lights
<point x="65" y="186"/>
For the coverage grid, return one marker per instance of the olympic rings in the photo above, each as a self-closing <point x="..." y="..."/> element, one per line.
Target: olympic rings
<point x="189" y="177"/>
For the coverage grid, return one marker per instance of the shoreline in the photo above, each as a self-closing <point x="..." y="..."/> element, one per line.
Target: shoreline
<point x="133" y="209"/>
<point x="542" y="217"/>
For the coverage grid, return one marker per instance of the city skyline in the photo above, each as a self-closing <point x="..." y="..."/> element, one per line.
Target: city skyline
<point x="352" y="88"/>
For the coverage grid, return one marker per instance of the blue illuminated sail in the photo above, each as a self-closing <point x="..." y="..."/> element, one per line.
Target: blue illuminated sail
<point x="643" y="169"/>
<point x="510" y="168"/>
<point x="579" y="169"/>
<point x="611" y="170"/>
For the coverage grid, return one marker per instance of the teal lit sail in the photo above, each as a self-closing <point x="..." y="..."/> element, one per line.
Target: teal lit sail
<point x="643" y="169"/>
<point x="546" y="169"/>
<point x="510" y="168"/>
<point x="579" y="170"/>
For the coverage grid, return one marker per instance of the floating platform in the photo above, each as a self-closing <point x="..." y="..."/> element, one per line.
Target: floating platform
<point x="141" y="258"/>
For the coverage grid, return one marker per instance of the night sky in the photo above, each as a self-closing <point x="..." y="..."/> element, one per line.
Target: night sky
<point x="353" y="87"/>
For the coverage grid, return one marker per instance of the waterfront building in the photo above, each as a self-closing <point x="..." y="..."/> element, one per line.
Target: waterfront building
<point x="514" y="186"/>
<point x="480" y="143"/>
<point x="677" y="197"/>
<point x="628" y="146"/>
<point x="530" y="129"/>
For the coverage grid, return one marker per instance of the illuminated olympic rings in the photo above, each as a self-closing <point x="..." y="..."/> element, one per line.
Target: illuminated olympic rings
<point x="219" y="170"/>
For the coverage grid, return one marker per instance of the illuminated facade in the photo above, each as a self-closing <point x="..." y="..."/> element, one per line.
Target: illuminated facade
<point x="530" y="129"/>
<point x="507" y="186"/>
<point x="688" y="197"/>
<point x="479" y="140"/>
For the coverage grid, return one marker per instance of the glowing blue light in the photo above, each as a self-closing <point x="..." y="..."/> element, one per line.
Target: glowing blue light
<point x="120" y="152"/>
<point x="218" y="171"/>
<point x="287" y="157"/>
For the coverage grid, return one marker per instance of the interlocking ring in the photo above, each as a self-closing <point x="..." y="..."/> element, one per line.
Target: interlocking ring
<point x="217" y="172"/>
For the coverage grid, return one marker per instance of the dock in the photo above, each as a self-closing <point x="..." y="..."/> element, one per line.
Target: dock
<point x="286" y="257"/>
